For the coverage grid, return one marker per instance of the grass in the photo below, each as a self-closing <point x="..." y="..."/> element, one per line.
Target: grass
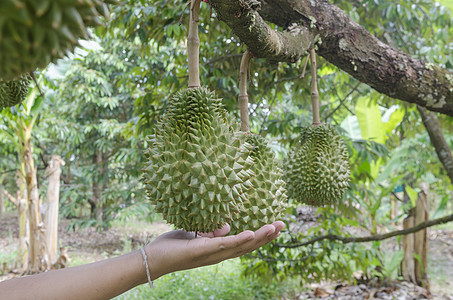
<point x="222" y="281"/>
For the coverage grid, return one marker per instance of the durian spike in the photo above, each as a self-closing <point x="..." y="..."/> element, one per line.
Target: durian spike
<point x="243" y="98"/>
<point x="314" y="88"/>
<point x="193" y="45"/>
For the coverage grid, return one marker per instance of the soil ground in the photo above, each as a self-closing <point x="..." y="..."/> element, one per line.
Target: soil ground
<point x="87" y="245"/>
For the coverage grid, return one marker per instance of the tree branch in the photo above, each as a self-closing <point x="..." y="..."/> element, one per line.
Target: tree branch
<point x="437" y="138"/>
<point x="342" y="42"/>
<point x="377" y="237"/>
<point x="264" y="42"/>
<point x="10" y="197"/>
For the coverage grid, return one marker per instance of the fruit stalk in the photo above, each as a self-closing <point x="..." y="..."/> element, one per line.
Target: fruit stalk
<point x="193" y="45"/>
<point x="314" y="88"/>
<point x="243" y="98"/>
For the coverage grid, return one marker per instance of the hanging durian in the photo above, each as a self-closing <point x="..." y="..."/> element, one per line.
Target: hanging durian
<point x="267" y="199"/>
<point x="317" y="170"/>
<point x="14" y="92"/>
<point x="198" y="165"/>
<point x="34" y="33"/>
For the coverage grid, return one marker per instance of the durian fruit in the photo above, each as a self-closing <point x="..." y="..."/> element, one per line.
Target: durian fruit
<point x="198" y="166"/>
<point x="266" y="201"/>
<point x="14" y="92"/>
<point x="34" y="33"/>
<point x="317" y="170"/>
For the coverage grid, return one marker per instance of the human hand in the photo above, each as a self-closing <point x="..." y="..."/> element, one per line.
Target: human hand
<point x="180" y="250"/>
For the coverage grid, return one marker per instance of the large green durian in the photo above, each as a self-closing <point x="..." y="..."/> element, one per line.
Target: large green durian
<point x="34" y="33"/>
<point x="198" y="163"/>
<point x="317" y="170"/>
<point x="14" y="92"/>
<point x="267" y="199"/>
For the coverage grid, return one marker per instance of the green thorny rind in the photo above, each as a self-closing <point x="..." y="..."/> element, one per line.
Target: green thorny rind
<point x="14" y="92"/>
<point x="266" y="201"/>
<point x="35" y="33"/>
<point x="198" y="168"/>
<point x="317" y="170"/>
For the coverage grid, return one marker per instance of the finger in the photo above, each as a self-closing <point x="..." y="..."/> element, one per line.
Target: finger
<point x="262" y="236"/>
<point x="279" y="225"/>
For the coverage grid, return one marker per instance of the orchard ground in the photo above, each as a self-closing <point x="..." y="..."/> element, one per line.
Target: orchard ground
<point x="223" y="281"/>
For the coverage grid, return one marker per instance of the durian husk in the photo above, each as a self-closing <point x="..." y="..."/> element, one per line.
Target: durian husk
<point x="14" y="92"/>
<point x="317" y="170"/>
<point x="266" y="200"/>
<point x="34" y="33"/>
<point x="198" y="166"/>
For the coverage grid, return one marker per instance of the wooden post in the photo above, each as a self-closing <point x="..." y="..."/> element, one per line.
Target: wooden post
<point x="415" y="245"/>
<point x="421" y="237"/>
<point x="407" y="265"/>
<point x="53" y="172"/>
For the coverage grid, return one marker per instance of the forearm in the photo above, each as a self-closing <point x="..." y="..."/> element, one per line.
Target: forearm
<point x="99" y="280"/>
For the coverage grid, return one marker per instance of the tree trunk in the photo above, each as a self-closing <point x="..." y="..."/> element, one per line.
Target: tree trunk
<point x="2" y="202"/>
<point x="38" y="259"/>
<point x="22" y="211"/>
<point x="53" y="197"/>
<point x="96" y="201"/>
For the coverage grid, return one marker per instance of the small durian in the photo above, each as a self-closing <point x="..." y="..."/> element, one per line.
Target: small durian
<point x="317" y="171"/>
<point x="198" y="166"/>
<point x="14" y="92"/>
<point x="266" y="201"/>
<point x="34" y="33"/>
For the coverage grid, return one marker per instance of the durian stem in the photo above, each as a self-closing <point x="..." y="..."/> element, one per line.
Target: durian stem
<point x="314" y="88"/>
<point x="243" y="98"/>
<point x="193" y="45"/>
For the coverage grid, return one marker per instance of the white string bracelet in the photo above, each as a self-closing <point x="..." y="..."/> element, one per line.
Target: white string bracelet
<point x="145" y="262"/>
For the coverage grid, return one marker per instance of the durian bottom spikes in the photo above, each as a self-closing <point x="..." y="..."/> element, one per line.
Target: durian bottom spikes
<point x="14" y="92"/>
<point x="266" y="200"/>
<point x="317" y="170"/>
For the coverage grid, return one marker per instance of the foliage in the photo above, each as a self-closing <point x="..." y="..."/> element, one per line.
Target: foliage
<point x="212" y="282"/>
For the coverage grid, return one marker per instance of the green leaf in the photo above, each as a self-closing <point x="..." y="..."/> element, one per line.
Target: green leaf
<point x="412" y="195"/>
<point x="369" y="117"/>
<point x="352" y="128"/>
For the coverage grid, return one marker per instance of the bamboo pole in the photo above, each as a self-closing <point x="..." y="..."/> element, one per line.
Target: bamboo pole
<point x="243" y="98"/>
<point x="314" y="88"/>
<point x="193" y="45"/>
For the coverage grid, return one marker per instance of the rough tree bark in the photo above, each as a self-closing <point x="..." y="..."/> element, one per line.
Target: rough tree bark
<point x="342" y="42"/>
<point x="53" y="197"/>
<point x="437" y="138"/>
